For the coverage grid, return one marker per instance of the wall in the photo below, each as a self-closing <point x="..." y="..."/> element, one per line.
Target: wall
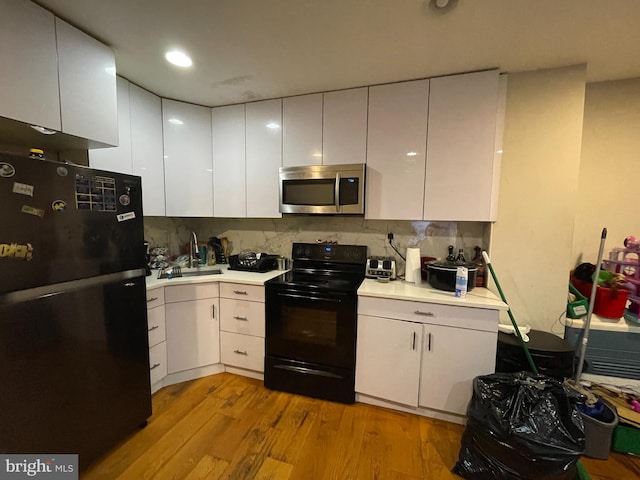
<point x="608" y="182"/>
<point x="276" y="235"/>
<point x="532" y="240"/>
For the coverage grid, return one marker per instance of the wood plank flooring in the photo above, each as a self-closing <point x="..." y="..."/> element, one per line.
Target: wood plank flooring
<point x="230" y="427"/>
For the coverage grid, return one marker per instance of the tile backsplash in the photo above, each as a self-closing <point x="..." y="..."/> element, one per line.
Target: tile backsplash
<point x="276" y="235"/>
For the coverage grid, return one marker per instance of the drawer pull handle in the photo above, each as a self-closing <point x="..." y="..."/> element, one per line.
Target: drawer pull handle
<point x="244" y="319"/>
<point x="425" y="314"/>
<point x="155" y="365"/>
<point x="154" y="327"/>
<point x="240" y="292"/>
<point x="241" y="352"/>
<point x="429" y="341"/>
<point x="213" y="311"/>
<point x="413" y="343"/>
<point x="152" y="299"/>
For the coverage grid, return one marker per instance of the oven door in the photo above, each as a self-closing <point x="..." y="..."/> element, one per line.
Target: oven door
<point x="311" y="326"/>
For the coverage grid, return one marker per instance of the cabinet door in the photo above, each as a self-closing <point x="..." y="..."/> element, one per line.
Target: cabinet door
<point x="388" y="359"/>
<point x="117" y="159"/>
<point x="264" y="158"/>
<point x="344" y="126"/>
<point x="29" y="73"/>
<point x="188" y="160"/>
<point x="229" y="172"/>
<point x="463" y="110"/>
<point x="451" y="359"/>
<point x="87" y="75"/>
<point x="193" y="334"/>
<point x="146" y="148"/>
<point x="396" y="144"/>
<point x="302" y="130"/>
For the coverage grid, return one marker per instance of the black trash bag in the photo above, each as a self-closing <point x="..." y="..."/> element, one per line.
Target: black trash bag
<point x="521" y="426"/>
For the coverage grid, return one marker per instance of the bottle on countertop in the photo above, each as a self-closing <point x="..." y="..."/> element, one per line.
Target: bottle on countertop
<point x="451" y="257"/>
<point x="36" y="154"/>
<point x="460" y="258"/>
<point x="481" y="274"/>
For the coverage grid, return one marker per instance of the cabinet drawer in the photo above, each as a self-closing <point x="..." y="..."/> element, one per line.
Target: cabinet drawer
<point x="240" y="316"/>
<point x="183" y="293"/>
<point x="244" y="351"/>
<point x="156" y="325"/>
<point x="155" y="297"/>
<point x="157" y="362"/>
<point x="433" y="313"/>
<point x="254" y="293"/>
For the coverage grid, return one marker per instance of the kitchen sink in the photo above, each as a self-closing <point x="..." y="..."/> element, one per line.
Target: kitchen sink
<point x="177" y="272"/>
<point x="199" y="273"/>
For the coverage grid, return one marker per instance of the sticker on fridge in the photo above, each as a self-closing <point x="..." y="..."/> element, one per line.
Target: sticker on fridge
<point x="58" y="205"/>
<point x="126" y="216"/>
<point x="16" y="250"/>
<point x="23" y="189"/>
<point x="6" y="170"/>
<point x="32" y="211"/>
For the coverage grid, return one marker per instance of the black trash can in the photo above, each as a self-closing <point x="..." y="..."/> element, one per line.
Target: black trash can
<point x="552" y="355"/>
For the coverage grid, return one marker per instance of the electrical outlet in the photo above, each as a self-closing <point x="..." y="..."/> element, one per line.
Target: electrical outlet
<point x="390" y="236"/>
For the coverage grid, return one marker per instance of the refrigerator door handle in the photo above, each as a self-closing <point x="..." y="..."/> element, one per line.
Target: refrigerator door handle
<point x="63" y="287"/>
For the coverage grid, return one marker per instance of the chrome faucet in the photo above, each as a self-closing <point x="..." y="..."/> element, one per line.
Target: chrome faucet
<point x="194" y="258"/>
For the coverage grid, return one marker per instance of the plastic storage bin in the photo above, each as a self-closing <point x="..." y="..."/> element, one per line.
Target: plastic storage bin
<point x="598" y="432"/>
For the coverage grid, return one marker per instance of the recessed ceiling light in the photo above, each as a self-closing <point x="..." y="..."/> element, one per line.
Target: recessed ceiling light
<point x="175" y="121"/>
<point x="42" y="130"/>
<point x="273" y="125"/>
<point x="178" y="58"/>
<point x="412" y="154"/>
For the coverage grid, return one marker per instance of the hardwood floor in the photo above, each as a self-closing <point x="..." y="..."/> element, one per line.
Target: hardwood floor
<point x="230" y="427"/>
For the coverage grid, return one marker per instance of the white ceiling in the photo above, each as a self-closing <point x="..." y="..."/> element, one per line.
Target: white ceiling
<point x="254" y="49"/>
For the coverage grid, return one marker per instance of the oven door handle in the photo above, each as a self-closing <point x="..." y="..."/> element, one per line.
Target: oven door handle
<point x="337" y="192"/>
<point x="310" y="297"/>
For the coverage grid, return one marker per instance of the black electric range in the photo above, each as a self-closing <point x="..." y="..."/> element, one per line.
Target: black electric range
<point x="311" y="322"/>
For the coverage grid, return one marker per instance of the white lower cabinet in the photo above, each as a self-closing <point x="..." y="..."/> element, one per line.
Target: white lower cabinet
<point x="157" y="338"/>
<point x="427" y="356"/>
<point x="388" y="359"/>
<point x="192" y="323"/>
<point x="451" y="359"/>
<point x="242" y="325"/>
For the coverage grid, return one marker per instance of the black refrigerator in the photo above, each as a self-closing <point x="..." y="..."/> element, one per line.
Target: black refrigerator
<point x="74" y="351"/>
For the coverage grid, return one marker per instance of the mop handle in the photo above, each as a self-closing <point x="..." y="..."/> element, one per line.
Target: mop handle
<point x="534" y="369"/>
<point x="592" y="302"/>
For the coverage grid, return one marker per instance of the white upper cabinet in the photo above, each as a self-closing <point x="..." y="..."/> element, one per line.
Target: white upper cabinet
<point x="229" y="171"/>
<point x="87" y="75"/>
<point x="344" y="126"/>
<point x="302" y="130"/>
<point x="29" y="72"/>
<point x="117" y="159"/>
<point x="396" y="144"/>
<point x="461" y="147"/>
<point x="188" y="159"/>
<point x="264" y="158"/>
<point x="146" y="148"/>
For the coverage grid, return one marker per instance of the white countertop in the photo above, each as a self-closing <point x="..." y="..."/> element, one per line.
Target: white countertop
<point x="231" y="276"/>
<point x="601" y="323"/>
<point x="401" y="290"/>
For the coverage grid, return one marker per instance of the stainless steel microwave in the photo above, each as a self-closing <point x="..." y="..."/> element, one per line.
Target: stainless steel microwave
<point x="323" y="189"/>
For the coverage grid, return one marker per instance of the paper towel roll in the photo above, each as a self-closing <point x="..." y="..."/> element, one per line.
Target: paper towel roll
<point x="412" y="269"/>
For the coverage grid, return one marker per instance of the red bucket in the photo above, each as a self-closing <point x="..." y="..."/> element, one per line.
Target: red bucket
<point x="610" y="303"/>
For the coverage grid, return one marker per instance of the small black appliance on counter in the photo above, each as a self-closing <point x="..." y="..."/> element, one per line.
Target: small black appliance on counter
<point x="253" y="262"/>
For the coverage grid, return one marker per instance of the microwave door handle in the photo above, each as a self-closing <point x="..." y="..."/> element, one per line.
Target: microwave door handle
<point x="337" y="192"/>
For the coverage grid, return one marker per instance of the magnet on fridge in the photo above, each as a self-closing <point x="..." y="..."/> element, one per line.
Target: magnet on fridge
<point x="6" y="170"/>
<point x="125" y="200"/>
<point x="58" y="205"/>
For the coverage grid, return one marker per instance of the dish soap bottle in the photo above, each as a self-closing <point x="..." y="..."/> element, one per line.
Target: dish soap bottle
<point x="478" y="261"/>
